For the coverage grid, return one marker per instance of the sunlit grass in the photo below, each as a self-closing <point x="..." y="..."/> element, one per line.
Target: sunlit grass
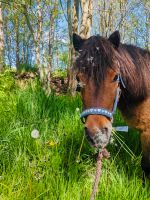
<point x="60" y="164"/>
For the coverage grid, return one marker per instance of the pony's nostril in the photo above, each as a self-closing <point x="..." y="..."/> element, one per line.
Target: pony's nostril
<point x="104" y="130"/>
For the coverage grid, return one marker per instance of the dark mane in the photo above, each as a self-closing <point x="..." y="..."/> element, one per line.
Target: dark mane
<point x="97" y="54"/>
<point x="95" y="57"/>
<point x="135" y="70"/>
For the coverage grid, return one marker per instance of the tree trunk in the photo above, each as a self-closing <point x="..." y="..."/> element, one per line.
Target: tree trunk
<point x="69" y="73"/>
<point x="24" y="47"/>
<point x="47" y="73"/>
<point x="8" y="42"/>
<point x="75" y="22"/>
<point x="1" y="40"/>
<point x="39" y="31"/>
<point x="36" y="36"/>
<point x="17" y="42"/>
<point x="73" y="26"/>
<point x="51" y="33"/>
<point x="86" y="21"/>
<point x="147" y="30"/>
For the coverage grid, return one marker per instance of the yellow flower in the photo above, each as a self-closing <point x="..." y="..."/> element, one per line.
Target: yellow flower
<point x="51" y="143"/>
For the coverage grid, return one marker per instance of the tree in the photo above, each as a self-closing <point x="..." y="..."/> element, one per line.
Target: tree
<point x="86" y="21"/>
<point x="46" y="72"/>
<point x="73" y="27"/>
<point x="1" y="40"/>
<point x="36" y="34"/>
<point x="16" y="21"/>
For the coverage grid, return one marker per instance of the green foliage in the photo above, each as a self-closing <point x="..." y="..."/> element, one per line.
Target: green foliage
<point x="64" y="58"/>
<point x="7" y="88"/>
<point x="27" y="68"/>
<point x="56" y="165"/>
<point x="59" y="73"/>
<point x="7" y="82"/>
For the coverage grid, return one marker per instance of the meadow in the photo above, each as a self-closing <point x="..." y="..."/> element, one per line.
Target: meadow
<point x="59" y="164"/>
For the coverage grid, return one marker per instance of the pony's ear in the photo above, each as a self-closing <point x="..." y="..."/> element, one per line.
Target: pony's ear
<point x="114" y="38"/>
<point x="77" y="41"/>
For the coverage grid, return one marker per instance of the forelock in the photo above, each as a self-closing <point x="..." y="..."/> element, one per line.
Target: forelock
<point x="94" y="58"/>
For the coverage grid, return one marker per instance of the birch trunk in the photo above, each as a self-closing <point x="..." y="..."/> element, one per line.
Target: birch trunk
<point x="38" y="38"/>
<point x="75" y="22"/>
<point x="47" y="73"/>
<point x="86" y="21"/>
<point x="17" y="42"/>
<point x="8" y="42"/>
<point x="147" y="42"/>
<point x="73" y="26"/>
<point x="1" y="40"/>
<point x="51" y="34"/>
<point x="69" y="73"/>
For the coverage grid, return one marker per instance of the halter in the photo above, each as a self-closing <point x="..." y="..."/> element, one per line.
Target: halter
<point x="103" y="111"/>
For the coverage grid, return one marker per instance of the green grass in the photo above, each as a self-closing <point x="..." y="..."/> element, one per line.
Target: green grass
<point x="57" y="166"/>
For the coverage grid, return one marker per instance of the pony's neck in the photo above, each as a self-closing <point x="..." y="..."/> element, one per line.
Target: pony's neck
<point x="135" y="71"/>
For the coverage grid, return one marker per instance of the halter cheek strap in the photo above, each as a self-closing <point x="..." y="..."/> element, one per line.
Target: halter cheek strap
<point x="103" y="111"/>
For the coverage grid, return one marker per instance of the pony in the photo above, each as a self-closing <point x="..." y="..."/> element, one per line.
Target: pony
<point x="110" y="74"/>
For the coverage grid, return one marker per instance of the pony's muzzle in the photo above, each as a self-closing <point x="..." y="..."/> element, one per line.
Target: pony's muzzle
<point x="98" y="137"/>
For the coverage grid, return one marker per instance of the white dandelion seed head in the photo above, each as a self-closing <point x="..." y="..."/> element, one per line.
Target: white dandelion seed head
<point x="97" y="48"/>
<point x="37" y="175"/>
<point x="35" y="134"/>
<point x="77" y="109"/>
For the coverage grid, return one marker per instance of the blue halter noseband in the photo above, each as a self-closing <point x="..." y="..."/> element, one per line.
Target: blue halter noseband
<point x="103" y="111"/>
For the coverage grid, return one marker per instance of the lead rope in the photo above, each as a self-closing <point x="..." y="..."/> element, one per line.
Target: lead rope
<point x="102" y="154"/>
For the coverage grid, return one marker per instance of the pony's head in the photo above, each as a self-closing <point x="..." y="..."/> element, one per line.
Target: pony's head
<point x="97" y="77"/>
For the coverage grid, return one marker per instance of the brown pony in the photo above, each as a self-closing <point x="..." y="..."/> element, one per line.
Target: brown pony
<point x="103" y="66"/>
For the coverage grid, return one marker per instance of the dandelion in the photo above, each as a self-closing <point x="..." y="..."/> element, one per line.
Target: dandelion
<point x="51" y="143"/>
<point x="77" y="109"/>
<point x="37" y="175"/>
<point x="35" y="134"/>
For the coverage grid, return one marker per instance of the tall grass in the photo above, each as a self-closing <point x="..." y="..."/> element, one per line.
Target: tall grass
<point x="56" y="165"/>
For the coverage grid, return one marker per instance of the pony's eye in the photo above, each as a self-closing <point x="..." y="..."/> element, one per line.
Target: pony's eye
<point x="78" y="88"/>
<point x="116" y="78"/>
